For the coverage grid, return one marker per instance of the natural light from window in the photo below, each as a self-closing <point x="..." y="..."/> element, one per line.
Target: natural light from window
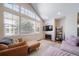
<point x="15" y="24"/>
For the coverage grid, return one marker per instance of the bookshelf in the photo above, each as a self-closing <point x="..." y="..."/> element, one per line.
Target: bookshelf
<point x="59" y="33"/>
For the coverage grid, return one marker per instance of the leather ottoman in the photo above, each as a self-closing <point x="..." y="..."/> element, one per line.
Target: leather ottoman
<point x="33" y="45"/>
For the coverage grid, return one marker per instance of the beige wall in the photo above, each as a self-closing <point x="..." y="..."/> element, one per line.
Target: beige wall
<point x="1" y="22"/>
<point x="57" y="23"/>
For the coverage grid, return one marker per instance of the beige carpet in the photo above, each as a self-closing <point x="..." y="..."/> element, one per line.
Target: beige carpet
<point x="44" y="45"/>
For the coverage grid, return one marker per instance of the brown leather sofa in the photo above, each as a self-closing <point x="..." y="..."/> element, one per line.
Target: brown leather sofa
<point x="22" y="48"/>
<point x="18" y="49"/>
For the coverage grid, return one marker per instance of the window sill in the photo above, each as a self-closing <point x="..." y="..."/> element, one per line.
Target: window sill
<point x="23" y="34"/>
<point x="30" y="33"/>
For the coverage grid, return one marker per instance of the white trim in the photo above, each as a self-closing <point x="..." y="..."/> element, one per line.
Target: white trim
<point x="23" y="34"/>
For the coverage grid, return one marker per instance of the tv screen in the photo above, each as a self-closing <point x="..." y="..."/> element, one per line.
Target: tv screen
<point x="48" y="28"/>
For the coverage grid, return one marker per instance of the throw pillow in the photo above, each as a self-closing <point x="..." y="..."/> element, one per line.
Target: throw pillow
<point x="17" y="44"/>
<point x="20" y="39"/>
<point x="6" y="40"/>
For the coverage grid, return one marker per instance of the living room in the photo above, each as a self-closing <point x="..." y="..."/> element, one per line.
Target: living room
<point x="31" y="29"/>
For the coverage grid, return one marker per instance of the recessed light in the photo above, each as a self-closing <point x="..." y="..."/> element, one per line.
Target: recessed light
<point x="59" y="13"/>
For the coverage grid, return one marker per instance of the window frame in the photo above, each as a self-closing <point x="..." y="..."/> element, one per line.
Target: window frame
<point x="9" y="24"/>
<point x="30" y="14"/>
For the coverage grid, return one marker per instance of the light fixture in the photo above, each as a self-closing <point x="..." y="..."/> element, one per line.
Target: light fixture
<point x="59" y="13"/>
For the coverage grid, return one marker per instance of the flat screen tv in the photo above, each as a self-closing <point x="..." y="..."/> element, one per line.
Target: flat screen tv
<point x="48" y="28"/>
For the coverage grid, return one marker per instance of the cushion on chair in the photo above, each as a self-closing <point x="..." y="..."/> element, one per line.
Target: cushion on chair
<point x="17" y="44"/>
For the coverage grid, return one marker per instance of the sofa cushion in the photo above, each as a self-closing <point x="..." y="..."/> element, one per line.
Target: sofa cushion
<point x="73" y="40"/>
<point x="70" y="48"/>
<point x="3" y="46"/>
<point x="54" y="51"/>
<point x="17" y="44"/>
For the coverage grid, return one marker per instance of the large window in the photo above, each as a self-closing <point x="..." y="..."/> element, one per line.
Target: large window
<point x="19" y="24"/>
<point x="11" y="23"/>
<point x="28" y="13"/>
<point x="9" y="5"/>
<point x="37" y="26"/>
<point x="12" y="6"/>
<point x="27" y="26"/>
<point x="16" y="7"/>
<point x="22" y="10"/>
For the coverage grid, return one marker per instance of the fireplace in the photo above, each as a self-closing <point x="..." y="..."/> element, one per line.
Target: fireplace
<point x="48" y="36"/>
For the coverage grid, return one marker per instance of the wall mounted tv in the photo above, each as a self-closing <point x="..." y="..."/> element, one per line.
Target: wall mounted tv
<point x="48" y="28"/>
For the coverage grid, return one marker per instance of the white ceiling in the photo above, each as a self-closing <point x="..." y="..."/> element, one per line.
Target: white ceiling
<point x="49" y="11"/>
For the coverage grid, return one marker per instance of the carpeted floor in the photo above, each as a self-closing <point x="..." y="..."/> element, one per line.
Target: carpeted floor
<point x="44" y="45"/>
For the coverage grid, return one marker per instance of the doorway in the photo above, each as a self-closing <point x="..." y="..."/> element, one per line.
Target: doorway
<point x="59" y="29"/>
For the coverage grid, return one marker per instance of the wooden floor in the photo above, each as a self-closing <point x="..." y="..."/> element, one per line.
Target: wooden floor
<point x="44" y="45"/>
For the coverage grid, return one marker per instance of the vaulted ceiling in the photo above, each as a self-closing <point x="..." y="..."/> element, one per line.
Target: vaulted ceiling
<point x="50" y="11"/>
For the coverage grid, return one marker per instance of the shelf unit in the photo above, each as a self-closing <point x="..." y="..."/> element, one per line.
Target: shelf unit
<point x="59" y="33"/>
